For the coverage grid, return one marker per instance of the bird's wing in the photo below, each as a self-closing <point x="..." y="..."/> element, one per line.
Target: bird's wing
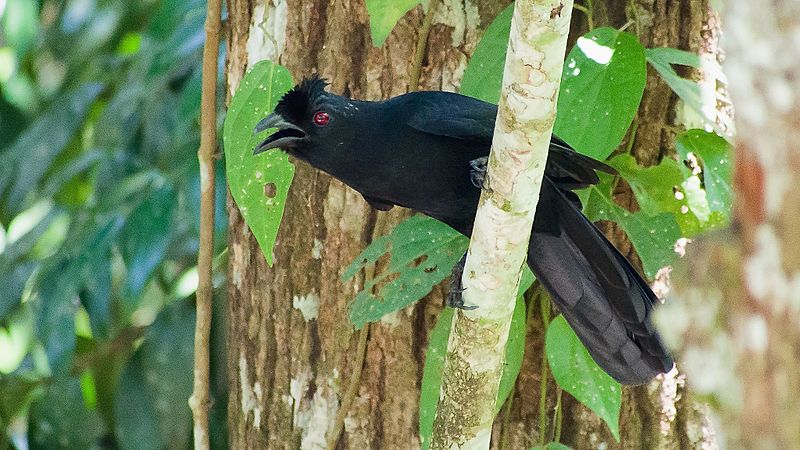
<point x="452" y="115"/>
<point x="468" y="119"/>
<point x="570" y="169"/>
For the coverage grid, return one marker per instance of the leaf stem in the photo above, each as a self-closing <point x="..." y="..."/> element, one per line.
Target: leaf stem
<point x="199" y="401"/>
<point x="422" y="44"/>
<point x="558" y="416"/>
<point x="588" y="13"/>
<point x="544" y="304"/>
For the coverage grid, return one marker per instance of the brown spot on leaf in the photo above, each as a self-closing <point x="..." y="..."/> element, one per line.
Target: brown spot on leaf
<point x="270" y="190"/>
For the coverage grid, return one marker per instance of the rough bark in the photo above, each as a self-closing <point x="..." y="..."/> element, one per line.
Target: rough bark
<point x="290" y="347"/>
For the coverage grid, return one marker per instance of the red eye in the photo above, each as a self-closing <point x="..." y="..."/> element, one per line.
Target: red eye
<point x="321" y="118"/>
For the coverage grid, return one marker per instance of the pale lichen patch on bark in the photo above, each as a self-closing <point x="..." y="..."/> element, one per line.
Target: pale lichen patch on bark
<point x="463" y="16"/>
<point x="308" y="305"/>
<point x="250" y="397"/>
<point x="316" y="249"/>
<point x="267" y="37"/>
<point x="238" y="258"/>
<point x="316" y="415"/>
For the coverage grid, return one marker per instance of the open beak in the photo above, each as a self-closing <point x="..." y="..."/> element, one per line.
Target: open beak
<point x="287" y="136"/>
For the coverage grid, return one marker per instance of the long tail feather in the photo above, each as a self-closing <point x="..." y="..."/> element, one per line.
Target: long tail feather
<point x="601" y="295"/>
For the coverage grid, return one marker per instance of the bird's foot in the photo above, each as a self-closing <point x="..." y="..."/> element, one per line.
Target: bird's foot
<point x="454" y="298"/>
<point x="477" y="173"/>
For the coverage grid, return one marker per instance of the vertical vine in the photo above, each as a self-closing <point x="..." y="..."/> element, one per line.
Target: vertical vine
<point x="199" y="401"/>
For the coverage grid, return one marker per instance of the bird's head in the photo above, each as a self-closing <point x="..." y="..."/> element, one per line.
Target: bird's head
<point x="305" y="118"/>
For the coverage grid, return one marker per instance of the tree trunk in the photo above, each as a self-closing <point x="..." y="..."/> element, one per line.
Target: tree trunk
<point x="740" y="290"/>
<point x="291" y="350"/>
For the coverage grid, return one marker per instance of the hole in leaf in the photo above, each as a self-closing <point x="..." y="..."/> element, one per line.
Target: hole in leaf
<point x="270" y="190"/>
<point x="430" y="269"/>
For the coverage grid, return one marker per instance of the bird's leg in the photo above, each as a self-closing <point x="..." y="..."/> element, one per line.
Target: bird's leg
<point x="477" y="173"/>
<point x="454" y="298"/>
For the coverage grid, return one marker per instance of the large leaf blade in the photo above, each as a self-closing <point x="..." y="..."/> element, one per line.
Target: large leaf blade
<point x="601" y="85"/>
<point x="601" y="88"/>
<point x="419" y="237"/>
<point x="259" y="184"/>
<point x="714" y="154"/>
<point x="653" y="236"/>
<point x="383" y="16"/>
<point x="145" y="239"/>
<point x="577" y="373"/>
<point x="483" y="77"/>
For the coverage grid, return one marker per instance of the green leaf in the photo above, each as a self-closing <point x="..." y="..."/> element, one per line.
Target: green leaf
<point x="146" y="238"/>
<point x="16" y="392"/>
<point x="432" y="375"/>
<point x="437" y="245"/>
<point x="665" y="188"/>
<point x="384" y="14"/>
<point x="24" y="163"/>
<point x="97" y="298"/>
<point x="483" y="77"/>
<point x="20" y="25"/>
<point x="437" y="348"/>
<point x="662" y="60"/>
<point x="577" y="373"/>
<point x="61" y="420"/>
<point x="250" y="177"/>
<point x="515" y="347"/>
<point x="653" y="236"/>
<point x="16" y="263"/>
<point x="714" y="154"/>
<point x="58" y="283"/>
<point x="601" y="88"/>
<point x="150" y="407"/>
<point x="12" y="283"/>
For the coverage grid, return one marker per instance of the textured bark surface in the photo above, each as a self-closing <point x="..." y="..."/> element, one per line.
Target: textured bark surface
<point x="289" y="369"/>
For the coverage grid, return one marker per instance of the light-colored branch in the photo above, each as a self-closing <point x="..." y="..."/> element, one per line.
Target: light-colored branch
<point x="199" y="401"/>
<point x="499" y="244"/>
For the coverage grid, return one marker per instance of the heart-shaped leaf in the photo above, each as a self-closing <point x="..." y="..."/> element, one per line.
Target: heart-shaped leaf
<point x="601" y="88"/>
<point x="259" y="184"/>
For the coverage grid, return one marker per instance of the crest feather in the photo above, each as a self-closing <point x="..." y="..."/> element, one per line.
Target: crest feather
<point x="296" y="104"/>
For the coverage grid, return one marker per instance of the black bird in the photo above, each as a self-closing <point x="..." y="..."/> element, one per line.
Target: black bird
<point x="427" y="150"/>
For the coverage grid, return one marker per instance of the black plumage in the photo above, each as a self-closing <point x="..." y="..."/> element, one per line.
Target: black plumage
<point x="415" y="150"/>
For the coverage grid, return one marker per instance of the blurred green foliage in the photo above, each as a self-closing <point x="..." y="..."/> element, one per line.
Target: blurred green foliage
<point x="99" y="192"/>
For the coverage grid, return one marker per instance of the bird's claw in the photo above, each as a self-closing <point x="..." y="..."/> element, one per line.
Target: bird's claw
<point x="477" y="173"/>
<point x="454" y="298"/>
